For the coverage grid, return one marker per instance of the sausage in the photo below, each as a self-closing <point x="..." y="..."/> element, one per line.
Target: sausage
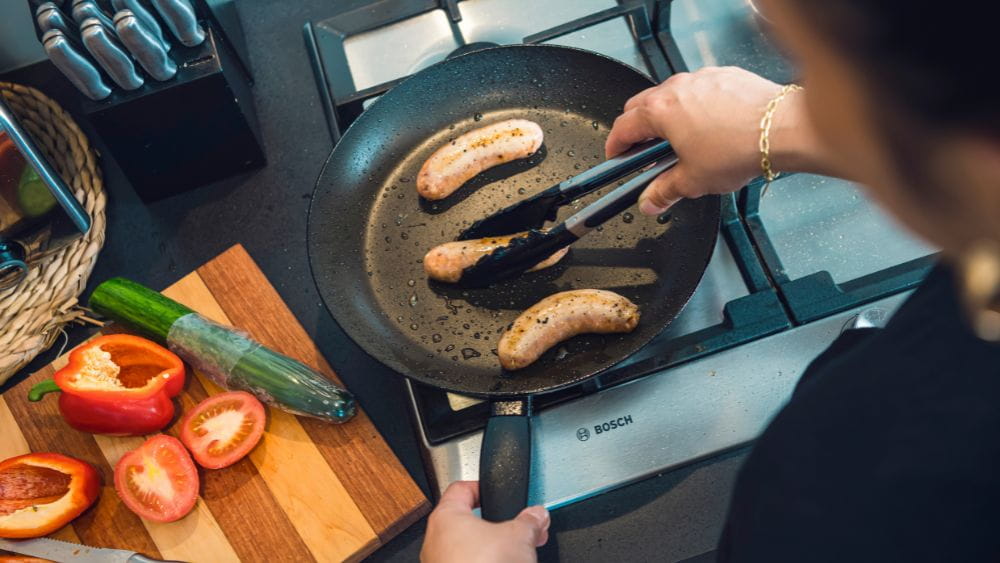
<point x="445" y="262"/>
<point x="562" y="316"/>
<point x="457" y="162"/>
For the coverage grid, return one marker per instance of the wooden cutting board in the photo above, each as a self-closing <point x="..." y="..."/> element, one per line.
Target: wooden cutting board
<point x="310" y="490"/>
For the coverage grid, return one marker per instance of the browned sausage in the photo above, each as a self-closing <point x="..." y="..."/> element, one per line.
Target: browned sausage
<point x="562" y="316"/>
<point x="457" y="162"/>
<point x="446" y="262"/>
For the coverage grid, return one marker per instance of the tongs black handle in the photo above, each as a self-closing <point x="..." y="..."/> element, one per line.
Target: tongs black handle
<point x="613" y="169"/>
<point x="526" y="251"/>
<point x="618" y="199"/>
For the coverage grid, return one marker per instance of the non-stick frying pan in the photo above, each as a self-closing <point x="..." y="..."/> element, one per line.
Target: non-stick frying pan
<point x="368" y="232"/>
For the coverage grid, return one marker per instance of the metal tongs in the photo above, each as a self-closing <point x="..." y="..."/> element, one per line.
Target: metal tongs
<point x="524" y="252"/>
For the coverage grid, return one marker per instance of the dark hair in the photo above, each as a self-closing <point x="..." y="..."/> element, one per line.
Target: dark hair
<point x="936" y="60"/>
<point x="930" y="67"/>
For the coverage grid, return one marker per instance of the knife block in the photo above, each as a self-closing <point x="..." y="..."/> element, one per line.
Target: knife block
<point x="196" y="128"/>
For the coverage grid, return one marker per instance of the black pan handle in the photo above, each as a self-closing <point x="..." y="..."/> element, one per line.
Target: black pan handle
<point x="505" y="461"/>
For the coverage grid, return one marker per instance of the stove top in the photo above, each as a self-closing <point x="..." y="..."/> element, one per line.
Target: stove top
<point x="790" y="269"/>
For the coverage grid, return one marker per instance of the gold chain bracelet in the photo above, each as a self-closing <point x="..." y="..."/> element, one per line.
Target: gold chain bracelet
<point x="769" y="173"/>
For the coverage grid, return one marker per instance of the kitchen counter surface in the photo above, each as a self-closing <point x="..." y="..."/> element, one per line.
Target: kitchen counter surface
<point x="670" y="517"/>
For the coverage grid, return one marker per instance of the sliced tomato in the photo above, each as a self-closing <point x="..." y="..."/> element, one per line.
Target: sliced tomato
<point x="223" y="428"/>
<point x="158" y="481"/>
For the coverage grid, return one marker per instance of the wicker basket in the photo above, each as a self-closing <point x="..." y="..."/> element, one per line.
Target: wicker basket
<point x="33" y="313"/>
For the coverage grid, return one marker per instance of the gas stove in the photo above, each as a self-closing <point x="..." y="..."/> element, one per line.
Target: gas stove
<point x="790" y="271"/>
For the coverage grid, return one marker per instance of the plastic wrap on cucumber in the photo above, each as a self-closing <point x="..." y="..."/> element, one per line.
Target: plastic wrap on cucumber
<point x="225" y="355"/>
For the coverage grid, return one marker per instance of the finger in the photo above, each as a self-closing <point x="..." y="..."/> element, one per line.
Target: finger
<point x="460" y="496"/>
<point x="637" y="99"/>
<point x="630" y="128"/>
<point x="532" y="525"/>
<point x="662" y="192"/>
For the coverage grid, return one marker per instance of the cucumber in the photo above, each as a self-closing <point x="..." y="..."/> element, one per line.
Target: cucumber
<point x="138" y="307"/>
<point x="224" y="355"/>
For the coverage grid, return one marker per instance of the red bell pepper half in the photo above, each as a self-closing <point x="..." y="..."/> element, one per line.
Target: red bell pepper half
<point x="117" y="384"/>
<point x="40" y="493"/>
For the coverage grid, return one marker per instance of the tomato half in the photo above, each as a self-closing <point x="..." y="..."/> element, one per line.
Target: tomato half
<point x="223" y="428"/>
<point x="158" y="481"/>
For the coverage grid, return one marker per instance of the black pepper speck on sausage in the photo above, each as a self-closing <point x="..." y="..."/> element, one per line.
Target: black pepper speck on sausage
<point x="567" y="314"/>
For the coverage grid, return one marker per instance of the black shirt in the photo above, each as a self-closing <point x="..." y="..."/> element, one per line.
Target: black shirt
<point x="888" y="450"/>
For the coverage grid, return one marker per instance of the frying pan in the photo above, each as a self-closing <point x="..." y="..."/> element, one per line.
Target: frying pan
<point x="368" y="232"/>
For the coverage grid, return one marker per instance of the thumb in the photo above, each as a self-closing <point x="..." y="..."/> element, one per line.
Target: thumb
<point x="533" y="525"/>
<point x="662" y="192"/>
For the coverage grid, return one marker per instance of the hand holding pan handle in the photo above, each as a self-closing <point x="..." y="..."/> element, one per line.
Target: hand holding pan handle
<point x="505" y="460"/>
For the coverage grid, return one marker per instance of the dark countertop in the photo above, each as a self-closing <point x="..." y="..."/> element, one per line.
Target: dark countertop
<point x="669" y="517"/>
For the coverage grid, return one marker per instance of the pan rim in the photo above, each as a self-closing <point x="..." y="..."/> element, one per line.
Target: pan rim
<point x="359" y="338"/>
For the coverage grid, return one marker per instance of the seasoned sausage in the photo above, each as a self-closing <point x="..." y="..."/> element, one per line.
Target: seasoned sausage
<point x="457" y="162"/>
<point x="446" y="262"/>
<point x="562" y="316"/>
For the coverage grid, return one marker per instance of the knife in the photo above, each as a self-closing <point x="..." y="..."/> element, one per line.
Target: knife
<point x="65" y="552"/>
<point x="49" y="16"/>
<point x="181" y="19"/>
<point x="74" y="65"/>
<point x="144" y="46"/>
<point x="147" y="19"/>
<point x="101" y="45"/>
<point x="86" y="9"/>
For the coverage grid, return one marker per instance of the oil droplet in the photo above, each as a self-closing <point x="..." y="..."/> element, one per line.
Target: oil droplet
<point x="571" y="153"/>
<point x="663" y="219"/>
<point x="628" y="217"/>
<point x="477" y="336"/>
<point x="404" y="180"/>
<point x="594" y="124"/>
<point x="619" y="236"/>
<point x="399" y="319"/>
<point x="576" y="166"/>
<point x="600" y="228"/>
<point x="521" y="191"/>
<point x="370" y="273"/>
<point x="414" y="326"/>
<point x="469" y="353"/>
<point x="563" y="123"/>
<point x="478" y="117"/>
<point x="449" y="348"/>
<point x="436" y="338"/>
<point x="413" y="300"/>
<point x="561" y="353"/>
<point x="404" y="236"/>
<point x="411" y="283"/>
<point x="465" y="326"/>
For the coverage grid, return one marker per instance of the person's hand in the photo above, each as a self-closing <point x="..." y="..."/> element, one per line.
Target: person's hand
<point x="455" y="535"/>
<point x="712" y="118"/>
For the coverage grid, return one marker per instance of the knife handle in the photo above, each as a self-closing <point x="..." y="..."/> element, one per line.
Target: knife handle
<point x="613" y="169"/>
<point x="74" y="65"/>
<point x="617" y="200"/>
